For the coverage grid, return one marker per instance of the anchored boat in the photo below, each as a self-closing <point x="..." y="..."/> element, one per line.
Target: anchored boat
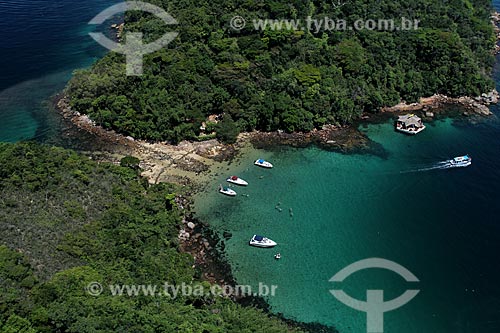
<point x="261" y="241"/>
<point x="262" y="163"/>
<point x="236" y="180"/>
<point x="227" y="191"/>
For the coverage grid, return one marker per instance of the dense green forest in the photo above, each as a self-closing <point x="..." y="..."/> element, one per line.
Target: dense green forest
<point x="66" y="221"/>
<point x="289" y="80"/>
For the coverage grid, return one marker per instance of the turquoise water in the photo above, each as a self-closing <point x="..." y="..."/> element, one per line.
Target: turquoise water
<point x="440" y="224"/>
<point x="443" y="225"/>
<point x="43" y="41"/>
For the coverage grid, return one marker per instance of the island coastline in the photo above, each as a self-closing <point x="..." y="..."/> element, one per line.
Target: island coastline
<point x="190" y="163"/>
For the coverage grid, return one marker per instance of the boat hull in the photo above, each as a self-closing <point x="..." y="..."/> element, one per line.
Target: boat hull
<point x="264" y="242"/>
<point x="228" y="193"/>
<point x="262" y="245"/>
<point x="264" y="164"/>
<point x="239" y="182"/>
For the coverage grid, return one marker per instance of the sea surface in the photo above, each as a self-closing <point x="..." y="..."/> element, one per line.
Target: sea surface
<point x="393" y="202"/>
<point x="42" y="43"/>
<point x="328" y="210"/>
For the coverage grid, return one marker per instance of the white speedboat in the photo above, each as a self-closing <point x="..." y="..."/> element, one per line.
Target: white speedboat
<point x="264" y="164"/>
<point x="260" y="241"/>
<point x="236" y="180"/>
<point x="227" y="191"/>
<point x="460" y="161"/>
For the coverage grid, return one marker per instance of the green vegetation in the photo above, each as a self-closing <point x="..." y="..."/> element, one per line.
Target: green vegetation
<point x="130" y="162"/>
<point x="289" y="80"/>
<point x="67" y="221"/>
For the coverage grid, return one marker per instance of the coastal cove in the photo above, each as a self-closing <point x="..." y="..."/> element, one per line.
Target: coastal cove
<point x="381" y="178"/>
<point x="440" y="224"/>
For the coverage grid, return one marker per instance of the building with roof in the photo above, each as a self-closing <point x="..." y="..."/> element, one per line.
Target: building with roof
<point x="409" y="124"/>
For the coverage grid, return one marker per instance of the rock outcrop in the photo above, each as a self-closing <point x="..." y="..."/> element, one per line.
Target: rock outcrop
<point x="478" y="104"/>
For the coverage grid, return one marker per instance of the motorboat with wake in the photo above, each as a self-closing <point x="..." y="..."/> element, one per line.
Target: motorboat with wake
<point x="262" y="163"/>
<point x="236" y="180"/>
<point x="261" y="241"/>
<point x="460" y="161"/>
<point x="227" y="191"/>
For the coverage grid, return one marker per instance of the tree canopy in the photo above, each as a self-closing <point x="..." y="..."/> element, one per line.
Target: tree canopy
<point x="290" y="80"/>
<point x="67" y="221"/>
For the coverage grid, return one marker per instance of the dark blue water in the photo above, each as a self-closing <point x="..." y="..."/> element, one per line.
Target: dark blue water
<point x="41" y="43"/>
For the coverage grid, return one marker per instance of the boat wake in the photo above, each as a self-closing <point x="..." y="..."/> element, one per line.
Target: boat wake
<point x="434" y="166"/>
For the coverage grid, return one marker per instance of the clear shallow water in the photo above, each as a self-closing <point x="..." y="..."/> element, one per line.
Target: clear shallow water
<point x="43" y="41"/>
<point x="442" y="225"/>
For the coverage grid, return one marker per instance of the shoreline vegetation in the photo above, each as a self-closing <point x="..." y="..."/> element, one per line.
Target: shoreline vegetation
<point x="183" y="162"/>
<point x="71" y="222"/>
<point x="283" y="79"/>
<point x="478" y="105"/>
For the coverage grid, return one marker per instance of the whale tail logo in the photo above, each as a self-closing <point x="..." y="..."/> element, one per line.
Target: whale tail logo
<point x="134" y="49"/>
<point x="374" y="306"/>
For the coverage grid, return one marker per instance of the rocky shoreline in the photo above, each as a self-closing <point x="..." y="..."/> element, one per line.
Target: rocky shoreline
<point x="161" y="161"/>
<point x="119" y="30"/>
<point x="188" y="163"/>
<point x="429" y="105"/>
<point x="207" y="249"/>
<point x="330" y="137"/>
<point x="477" y="104"/>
